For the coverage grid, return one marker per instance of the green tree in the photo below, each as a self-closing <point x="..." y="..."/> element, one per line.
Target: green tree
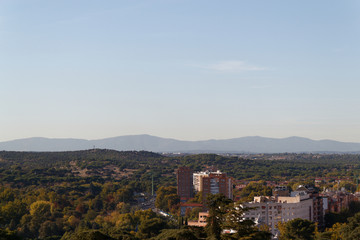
<point x="352" y="229"/>
<point x="198" y="198"/>
<point x="87" y="235"/>
<point x="6" y="234"/>
<point x="173" y="200"/>
<point x="244" y="229"/>
<point x="297" y="229"/>
<point x="166" y="196"/>
<point x="333" y="233"/>
<point x="193" y="214"/>
<point x="7" y="195"/>
<point x="96" y="204"/>
<point x="13" y="210"/>
<point x="40" y="211"/>
<point x="125" y="195"/>
<point x="40" y="208"/>
<point x="255" y="189"/>
<point x="126" y="222"/>
<point x="150" y="228"/>
<point x="218" y="206"/>
<point x="48" y="229"/>
<point x="176" y="234"/>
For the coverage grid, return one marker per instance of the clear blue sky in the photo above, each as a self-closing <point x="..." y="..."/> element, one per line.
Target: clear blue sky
<point x="183" y="69"/>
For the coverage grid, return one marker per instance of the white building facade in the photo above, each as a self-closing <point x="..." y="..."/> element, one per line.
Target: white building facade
<point x="271" y="210"/>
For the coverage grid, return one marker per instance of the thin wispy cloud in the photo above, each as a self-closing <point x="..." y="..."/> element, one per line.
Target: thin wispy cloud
<point x="234" y="66"/>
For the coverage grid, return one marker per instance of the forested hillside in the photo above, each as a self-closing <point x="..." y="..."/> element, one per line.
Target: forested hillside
<point x="69" y="195"/>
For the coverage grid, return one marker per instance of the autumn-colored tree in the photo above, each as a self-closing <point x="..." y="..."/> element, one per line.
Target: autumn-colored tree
<point x="163" y="195"/>
<point x="333" y="233"/>
<point x="40" y="208"/>
<point x="13" y="210"/>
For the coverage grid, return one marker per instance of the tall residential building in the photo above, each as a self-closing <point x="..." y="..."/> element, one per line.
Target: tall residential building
<point x="212" y="182"/>
<point x="184" y="183"/>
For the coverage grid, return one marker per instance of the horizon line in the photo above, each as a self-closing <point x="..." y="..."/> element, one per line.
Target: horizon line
<point x="172" y="138"/>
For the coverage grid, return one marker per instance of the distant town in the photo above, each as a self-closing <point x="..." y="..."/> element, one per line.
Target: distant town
<point x="305" y="201"/>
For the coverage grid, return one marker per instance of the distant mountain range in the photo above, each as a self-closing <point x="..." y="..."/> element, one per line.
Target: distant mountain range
<point x="157" y="144"/>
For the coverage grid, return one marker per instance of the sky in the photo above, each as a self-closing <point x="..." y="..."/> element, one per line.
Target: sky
<point x="183" y="69"/>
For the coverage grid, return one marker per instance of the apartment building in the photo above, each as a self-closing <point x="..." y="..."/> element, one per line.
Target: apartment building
<point x="318" y="203"/>
<point x="271" y="210"/>
<point x="339" y="200"/>
<point x="184" y="177"/>
<point x="212" y="182"/>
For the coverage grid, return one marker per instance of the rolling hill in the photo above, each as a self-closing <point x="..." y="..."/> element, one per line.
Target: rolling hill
<point x="156" y="144"/>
